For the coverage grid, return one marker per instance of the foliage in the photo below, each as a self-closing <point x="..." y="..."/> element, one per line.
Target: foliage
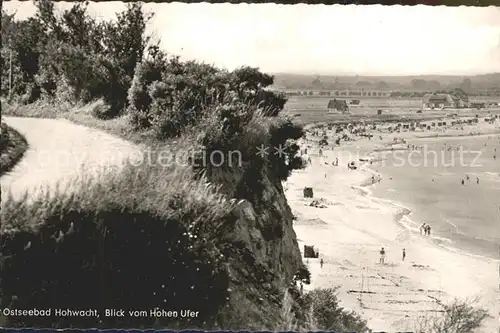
<point x="330" y="316"/>
<point x="146" y="236"/>
<point x="12" y="147"/>
<point x="73" y="53"/>
<point x="459" y="316"/>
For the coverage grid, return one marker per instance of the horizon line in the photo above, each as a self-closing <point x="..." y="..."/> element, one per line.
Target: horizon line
<point x="312" y="73"/>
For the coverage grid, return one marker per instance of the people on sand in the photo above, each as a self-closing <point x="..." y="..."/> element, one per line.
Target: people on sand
<point x="382" y="256"/>
<point x="423" y="228"/>
<point x="321" y="262"/>
<point x="404" y="254"/>
<point x="463" y="182"/>
<point x="426" y="229"/>
<point x="477" y="180"/>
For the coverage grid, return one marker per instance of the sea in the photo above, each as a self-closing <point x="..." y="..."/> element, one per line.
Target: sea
<point x="427" y="180"/>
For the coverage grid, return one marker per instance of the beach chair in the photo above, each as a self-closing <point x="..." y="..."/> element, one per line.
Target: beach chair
<point x="308" y="192"/>
<point x="309" y="252"/>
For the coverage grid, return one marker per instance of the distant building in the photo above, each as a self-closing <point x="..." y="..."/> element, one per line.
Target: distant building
<point x="338" y="105"/>
<point x="444" y="101"/>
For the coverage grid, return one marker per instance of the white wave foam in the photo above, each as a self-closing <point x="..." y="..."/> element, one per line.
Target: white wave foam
<point x="403" y="219"/>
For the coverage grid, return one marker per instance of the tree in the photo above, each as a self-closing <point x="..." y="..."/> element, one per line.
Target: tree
<point x="330" y="316"/>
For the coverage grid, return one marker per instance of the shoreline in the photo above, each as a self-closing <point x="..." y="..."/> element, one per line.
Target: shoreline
<point x="407" y="212"/>
<point x="351" y="232"/>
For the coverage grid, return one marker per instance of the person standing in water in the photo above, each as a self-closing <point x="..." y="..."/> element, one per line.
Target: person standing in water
<point x="382" y="256"/>
<point x="404" y="254"/>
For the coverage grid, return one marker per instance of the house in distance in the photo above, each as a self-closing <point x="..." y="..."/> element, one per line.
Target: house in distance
<point x="453" y="100"/>
<point x="338" y="105"/>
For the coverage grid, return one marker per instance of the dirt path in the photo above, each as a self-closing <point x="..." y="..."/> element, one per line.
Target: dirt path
<point x="57" y="151"/>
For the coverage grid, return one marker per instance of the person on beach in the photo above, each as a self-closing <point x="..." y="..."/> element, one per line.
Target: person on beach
<point x="423" y="228"/>
<point x="463" y="182"/>
<point x="404" y="254"/>
<point x="382" y="256"/>
<point x="428" y="230"/>
<point x="477" y="180"/>
<point x="321" y="262"/>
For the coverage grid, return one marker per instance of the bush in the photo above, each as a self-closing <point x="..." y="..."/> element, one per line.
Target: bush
<point x="330" y="316"/>
<point x="459" y="316"/>
<point x="73" y="54"/>
<point x="140" y="239"/>
<point x="12" y="147"/>
<point x="100" y="110"/>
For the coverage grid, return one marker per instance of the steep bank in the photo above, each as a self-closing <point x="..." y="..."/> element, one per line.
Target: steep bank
<point x="264" y="257"/>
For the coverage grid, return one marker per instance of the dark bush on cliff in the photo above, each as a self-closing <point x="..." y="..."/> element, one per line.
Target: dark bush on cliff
<point x="168" y="95"/>
<point x="12" y="147"/>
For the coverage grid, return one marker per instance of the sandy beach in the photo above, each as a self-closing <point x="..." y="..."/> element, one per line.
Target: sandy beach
<point x="351" y="228"/>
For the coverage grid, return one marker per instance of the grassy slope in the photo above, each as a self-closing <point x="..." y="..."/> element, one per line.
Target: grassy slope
<point x="156" y="196"/>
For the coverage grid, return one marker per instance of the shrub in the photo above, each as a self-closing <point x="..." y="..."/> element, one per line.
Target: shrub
<point x="459" y="316"/>
<point x="100" y="109"/>
<point x="140" y="239"/>
<point x="330" y="316"/>
<point x="12" y="147"/>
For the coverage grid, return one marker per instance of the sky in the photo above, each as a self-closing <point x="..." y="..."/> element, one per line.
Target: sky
<point x="320" y="39"/>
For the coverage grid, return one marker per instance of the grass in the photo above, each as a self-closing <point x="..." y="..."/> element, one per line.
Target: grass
<point x="12" y="148"/>
<point x="137" y="216"/>
<point x="170" y="215"/>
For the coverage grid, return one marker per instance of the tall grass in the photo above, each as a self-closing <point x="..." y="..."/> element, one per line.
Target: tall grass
<point x="135" y="239"/>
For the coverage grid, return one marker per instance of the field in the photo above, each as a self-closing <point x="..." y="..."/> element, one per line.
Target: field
<point x="311" y="109"/>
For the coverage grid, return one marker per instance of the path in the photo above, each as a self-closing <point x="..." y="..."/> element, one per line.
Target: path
<point x="57" y="151"/>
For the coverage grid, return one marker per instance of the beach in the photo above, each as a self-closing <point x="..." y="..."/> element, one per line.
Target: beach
<point x="349" y="225"/>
